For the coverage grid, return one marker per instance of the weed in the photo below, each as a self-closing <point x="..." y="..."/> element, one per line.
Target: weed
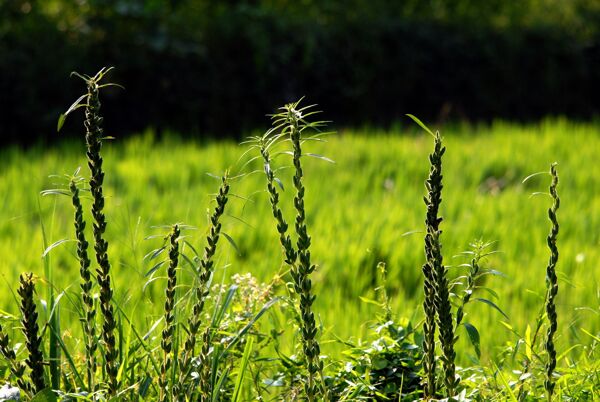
<point x="552" y="284"/>
<point x="93" y="138"/>
<point x="205" y="271"/>
<point x="86" y="285"/>
<point x="167" y="333"/>
<point x="33" y="340"/>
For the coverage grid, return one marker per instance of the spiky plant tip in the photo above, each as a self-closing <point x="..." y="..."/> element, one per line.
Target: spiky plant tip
<point x="301" y="270"/>
<point x="93" y="139"/>
<point x="35" y="360"/>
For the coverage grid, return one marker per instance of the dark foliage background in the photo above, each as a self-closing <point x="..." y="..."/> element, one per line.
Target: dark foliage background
<point x="217" y="67"/>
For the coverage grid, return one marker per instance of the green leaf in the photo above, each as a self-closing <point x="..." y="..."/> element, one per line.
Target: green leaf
<point x="379" y="363"/>
<point x="493" y="305"/>
<point x="61" y="122"/>
<point x="369" y="301"/>
<point x="244" y="363"/>
<point x="326" y="159"/>
<point x="528" y="345"/>
<point x="232" y="242"/>
<point x="63" y="116"/>
<point x="55" y="191"/>
<point x="154" y="268"/>
<point x="53" y="245"/>
<point x="279" y="183"/>
<point x="222" y="308"/>
<point x="505" y="383"/>
<point x="45" y="395"/>
<point x="474" y="338"/>
<point x="420" y="123"/>
<point x="244" y="330"/>
<point x="532" y="175"/>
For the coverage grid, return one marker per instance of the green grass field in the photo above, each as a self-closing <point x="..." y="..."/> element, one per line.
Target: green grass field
<point x="365" y="208"/>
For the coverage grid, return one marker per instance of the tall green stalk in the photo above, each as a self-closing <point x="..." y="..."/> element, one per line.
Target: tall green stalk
<point x="205" y="271"/>
<point x="303" y="268"/>
<point x="282" y="226"/>
<point x="93" y="138"/>
<point x="167" y="333"/>
<point x="433" y="260"/>
<point x="33" y="341"/>
<point x="436" y="286"/>
<point x="86" y="285"/>
<point x="552" y="285"/>
<point x="289" y="125"/>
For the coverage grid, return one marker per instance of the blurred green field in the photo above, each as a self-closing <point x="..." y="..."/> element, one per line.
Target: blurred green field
<point x="365" y="208"/>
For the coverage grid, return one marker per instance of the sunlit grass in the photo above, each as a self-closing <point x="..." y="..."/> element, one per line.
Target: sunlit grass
<point x="361" y="210"/>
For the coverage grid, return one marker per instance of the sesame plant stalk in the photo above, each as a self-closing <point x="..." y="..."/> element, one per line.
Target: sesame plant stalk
<point x="552" y="285"/>
<point x="35" y="360"/>
<point x="205" y="369"/>
<point x="205" y="271"/>
<point x="474" y="268"/>
<point x="442" y="295"/>
<point x="284" y="238"/>
<point x="436" y="286"/>
<point x="301" y="271"/>
<point x="433" y="258"/>
<point x="93" y="138"/>
<point x="167" y="333"/>
<point x="86" y="286"/>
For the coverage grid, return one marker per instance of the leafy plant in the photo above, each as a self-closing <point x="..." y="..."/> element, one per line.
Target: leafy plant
<point x="436" y="287"/>
<point x="94" y="137"/>
<point x="290" y="125"/>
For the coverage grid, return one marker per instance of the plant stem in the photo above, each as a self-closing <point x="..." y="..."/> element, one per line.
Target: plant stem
<point x="93" y="138"/>
<point x="432" y="255"/>
<point x="301" y="271"/>
<point x="86" y="287"/>
<point x="552" y="285"/>
<point x="282" y="226"/>
<point x="205" y="272"/>
<point x="167" y="334"/>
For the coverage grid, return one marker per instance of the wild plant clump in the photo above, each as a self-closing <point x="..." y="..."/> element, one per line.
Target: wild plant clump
<point x="212" y="343"/>
<point x="290" y="125"/>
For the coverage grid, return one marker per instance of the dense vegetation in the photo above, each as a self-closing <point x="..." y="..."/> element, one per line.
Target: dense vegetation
<point x="262" y="334"/>
<point x="219" y="66"/>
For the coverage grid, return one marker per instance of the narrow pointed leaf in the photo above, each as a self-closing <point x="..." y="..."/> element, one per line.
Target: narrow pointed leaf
<point x="420" y="123"/>
<point x="474" y="338"/>
<point x="493" y="305"/>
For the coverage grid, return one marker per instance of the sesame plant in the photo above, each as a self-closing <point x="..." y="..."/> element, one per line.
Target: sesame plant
<point x="436" y="286"/>
<point x="552" y="284"/>
<point x="291" y="125"/>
